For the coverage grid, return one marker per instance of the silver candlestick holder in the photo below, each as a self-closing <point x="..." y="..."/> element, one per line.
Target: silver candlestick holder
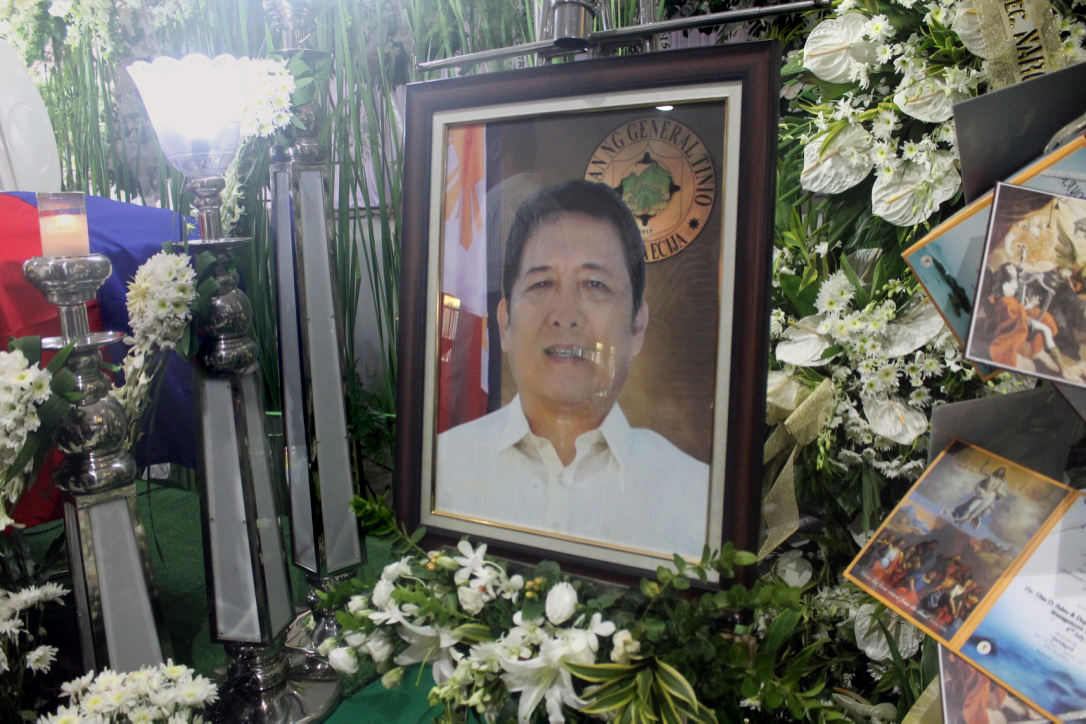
<point x="246" y="561"/>
<point x="119" y="612"/>
<point x="313" y="362"/>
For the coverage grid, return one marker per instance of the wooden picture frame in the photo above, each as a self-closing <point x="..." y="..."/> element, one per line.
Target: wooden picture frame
<point x="705" y="122"/>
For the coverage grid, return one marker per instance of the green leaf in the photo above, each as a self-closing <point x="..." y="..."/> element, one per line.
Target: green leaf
<point x="474" y="632"/>
<point x="644" y="684"/>
<point x="675" y="683"/>
<point x="600" y="673"/>
<point x="25" y="455"/>
<point x="417" y="535"/>
<point x="611" y="697"/>
<point x="29" y="346"/>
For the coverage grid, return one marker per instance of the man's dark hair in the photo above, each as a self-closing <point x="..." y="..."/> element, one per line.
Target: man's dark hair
<point x="578" y="196"/>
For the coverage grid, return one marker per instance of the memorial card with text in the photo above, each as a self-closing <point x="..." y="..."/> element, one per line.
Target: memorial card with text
<point x="989" y="558"/>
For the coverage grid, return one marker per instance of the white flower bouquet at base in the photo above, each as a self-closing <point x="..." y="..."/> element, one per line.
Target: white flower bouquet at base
<point x="538" y="646"/>
<point x="166" y="693"/>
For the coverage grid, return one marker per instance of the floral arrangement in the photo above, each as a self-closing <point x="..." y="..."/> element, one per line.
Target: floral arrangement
<point x="167" y="692"/>
<point x="537" y="645"/>
<point x="903" y="65"/>
<point x="33" y="401"/>
<point x="868" y="161"/>
<point x="24" y="660"/>
<point x="160" y="299"/>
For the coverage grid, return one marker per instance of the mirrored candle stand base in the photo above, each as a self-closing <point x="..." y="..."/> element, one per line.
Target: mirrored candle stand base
<point x="245" y="553"/>
<point x="266" y="684"/>
<point x="121" y="625"/>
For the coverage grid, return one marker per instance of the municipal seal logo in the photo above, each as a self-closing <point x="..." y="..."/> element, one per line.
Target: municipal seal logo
<point x="665" y="175"/>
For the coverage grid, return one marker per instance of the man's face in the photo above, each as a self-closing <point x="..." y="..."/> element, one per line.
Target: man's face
<point x="567" y="325"/>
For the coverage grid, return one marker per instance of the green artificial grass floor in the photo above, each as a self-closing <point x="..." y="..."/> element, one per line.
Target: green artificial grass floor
<point x="171" y="518"/>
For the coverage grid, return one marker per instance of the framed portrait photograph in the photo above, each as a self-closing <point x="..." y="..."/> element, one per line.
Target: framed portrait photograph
<point x="1030" y="315"/>
<point x="584" y="307"/>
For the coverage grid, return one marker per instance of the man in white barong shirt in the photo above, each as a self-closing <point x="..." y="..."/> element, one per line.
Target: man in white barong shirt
<point x="561" y="457"/>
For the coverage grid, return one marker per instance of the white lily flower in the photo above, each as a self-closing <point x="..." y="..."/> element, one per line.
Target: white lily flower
<point x="429" y="644"/>
<point x="543" y="678"/>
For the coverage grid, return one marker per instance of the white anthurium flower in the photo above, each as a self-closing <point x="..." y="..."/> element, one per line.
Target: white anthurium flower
<point x="802" y="345"/>
<point x="835" y="45"/>
<point x="561" y="603"/>
<point x="793" y="569"/>
<point x="871" y="640"/>
<point x="845" y="162"/>
<point x="927" y="99"/>
<point x="967" y="26"/>
<point x="911" y="194"/>
<point x="784" y="393"/>
<point x="894" y="419"/>
<point x="913" y="331"/>
<point x="544" y="677"/>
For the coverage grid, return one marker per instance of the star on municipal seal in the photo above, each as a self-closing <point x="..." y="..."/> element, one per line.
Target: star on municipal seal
<point x="665" y="175"/>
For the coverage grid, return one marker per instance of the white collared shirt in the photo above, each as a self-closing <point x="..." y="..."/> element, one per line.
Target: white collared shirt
<point x="625" y="486"/>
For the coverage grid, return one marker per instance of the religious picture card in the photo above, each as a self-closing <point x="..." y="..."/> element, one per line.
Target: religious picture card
<point x="970" y="696"/>
<point x="1030" y="315"/>
<point x="984" y="556"/>
<point x="947" y="260"/>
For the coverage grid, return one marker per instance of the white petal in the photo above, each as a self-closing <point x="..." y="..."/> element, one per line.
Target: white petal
<point x="894" y="419"/>
<point x="834" y="44"/>
<point x="834" y="170"/>
<point x="910" y="194"/>
<point x="927" y="99"/>
<point x="921" y="328"/>
<point x="967" y="26"/>
<point x="802" y="346"/>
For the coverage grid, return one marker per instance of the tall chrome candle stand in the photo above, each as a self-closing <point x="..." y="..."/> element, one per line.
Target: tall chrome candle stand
<point x="117" y="604"/>
<point x="246" y="561"/>
<point x="313" y="363"/>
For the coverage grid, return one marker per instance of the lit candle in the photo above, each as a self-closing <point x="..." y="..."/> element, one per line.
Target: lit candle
<point x="64" y="235"/>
